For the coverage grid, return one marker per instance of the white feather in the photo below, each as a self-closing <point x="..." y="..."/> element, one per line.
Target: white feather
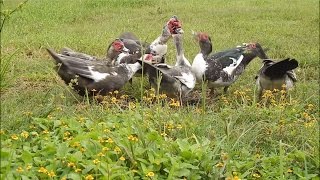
<point x="97" y="76"/>
<point x="234" y="65"/>
<point x="199" y="66"/>
<point x="157" y="48"/>
<point x="120" y="56"/>
<point x="188" y="79"/>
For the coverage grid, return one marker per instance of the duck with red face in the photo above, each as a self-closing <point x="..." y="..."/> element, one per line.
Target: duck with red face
<point x="92" y="76"/>
<point x="223" y="68"/>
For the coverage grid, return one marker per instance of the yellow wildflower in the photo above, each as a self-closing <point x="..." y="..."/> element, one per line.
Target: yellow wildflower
<point x="236" y="178"/>
<point x="67" y="133"/>
<point x="163" y="134"/>
<point x="45" y="131"/>
<point x="117" y="149"/>
<point x="115" y="92"/>
<point x="122" y="158"/>
<point x="64" y="178"/>
<point x="14" y="137"/>
<point x="82" y="149"/>
<point x="29" y="166"/>
<point x="220" y="164"/>
<point x="19" y="169"/>
<point x="132" y="105"/>
<point x="290" y="170"/>
<point x="77" y="170"/>
<point x="256" y="175"/>
<point x="89" y="177"/>
<point x="76" y="144"/>
<point x="43" y="170"/>
<point x="105" y="149"/>
<point x="25" y="134"/>
<point x="49" y="116"/>
<point x="133" y="138"/>
<point x="100" y="154"/>
<point x="96" y="161"/>
<point x="124" y="96"/>
<point x="150" y="174"/>
<point x="71" y="164"/>
<point x="109" y="140"/>
<point x="113" y="100"/>
<point x="163" y="96"/>
<point x="101" y="140"/>
<point x="51" y="174"/>
<point x="179" y="126"/>
<point x="1" y="131"/>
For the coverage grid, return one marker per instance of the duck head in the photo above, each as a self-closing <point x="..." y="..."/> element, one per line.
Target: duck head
<point x="204" y="41"/>
<point x="174" y="25"/>
<point x="115" y="48"/>
<point x="251" y="51"/>
<point x="256" y="49"/>
<point x="159" y="46"/>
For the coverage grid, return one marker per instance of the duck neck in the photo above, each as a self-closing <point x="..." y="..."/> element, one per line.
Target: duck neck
<point x="181" y="59"/>
<point x="199" y="66"/>
<point x="248" y="57"/>
<point x="133" y="68"/>
<point x="206" y="48"/>
<point x="163" y="38"/>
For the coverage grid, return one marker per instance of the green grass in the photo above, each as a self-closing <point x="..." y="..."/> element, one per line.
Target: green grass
<point x="233" y="138"/>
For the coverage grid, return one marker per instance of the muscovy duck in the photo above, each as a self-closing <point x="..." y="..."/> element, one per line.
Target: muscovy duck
<point x="223" y="68"/>
<point x="94" y="77"/>
<point x="175" y="81"/>
<point x="158" y="48"/>
<point x="116" y="51"/>
<point x="273" y="75"/>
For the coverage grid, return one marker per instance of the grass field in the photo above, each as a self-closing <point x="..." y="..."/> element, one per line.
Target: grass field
<point x="49" y="132"/>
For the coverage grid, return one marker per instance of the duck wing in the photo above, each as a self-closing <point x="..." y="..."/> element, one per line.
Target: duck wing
<point x="171" y="73"/>
<point x="93" y="70"/>
<point x="226" y="58"/>
<point x="69" y="52"/>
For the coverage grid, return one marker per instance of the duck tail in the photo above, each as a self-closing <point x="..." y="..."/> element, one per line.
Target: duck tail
<point x="54" y="55"/>
<point x="282" y="67"/>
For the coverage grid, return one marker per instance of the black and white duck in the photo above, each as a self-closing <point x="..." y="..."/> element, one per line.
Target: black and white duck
<point x="116" y="52"/>
<point x="94" y="77"/>
<point x="223" y="68"/>
<point x="175" y="81"/>
<point x="273" y="75"/>
<point x="158" y="48"/>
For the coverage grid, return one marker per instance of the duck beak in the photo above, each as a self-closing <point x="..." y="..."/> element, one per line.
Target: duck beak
<point x="124" y="49"/>
<point x="179" y="31"/>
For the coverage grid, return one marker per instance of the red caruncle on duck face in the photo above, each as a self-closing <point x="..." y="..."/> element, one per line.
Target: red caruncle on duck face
<point x="203" y="37"/>
<point x="118" y="45"/>
<point x="173" y="25"/>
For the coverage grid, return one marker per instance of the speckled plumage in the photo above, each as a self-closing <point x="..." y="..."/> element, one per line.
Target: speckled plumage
<point x="95" y="77"/>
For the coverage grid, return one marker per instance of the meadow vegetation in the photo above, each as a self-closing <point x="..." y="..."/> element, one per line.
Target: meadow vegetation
<point x="49" y="132"/>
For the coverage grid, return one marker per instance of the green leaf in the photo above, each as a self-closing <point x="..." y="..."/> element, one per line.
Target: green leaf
<point x="38" y="161"/>
<point x="62" y="149"/>
<point x="26" y="156"/>
<point x="88" y="168"/>
<point x="73" y="176"/>
<point x="4" y="163"/>
<point x="182" y="172"/>
<point x="4" y="153"/>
